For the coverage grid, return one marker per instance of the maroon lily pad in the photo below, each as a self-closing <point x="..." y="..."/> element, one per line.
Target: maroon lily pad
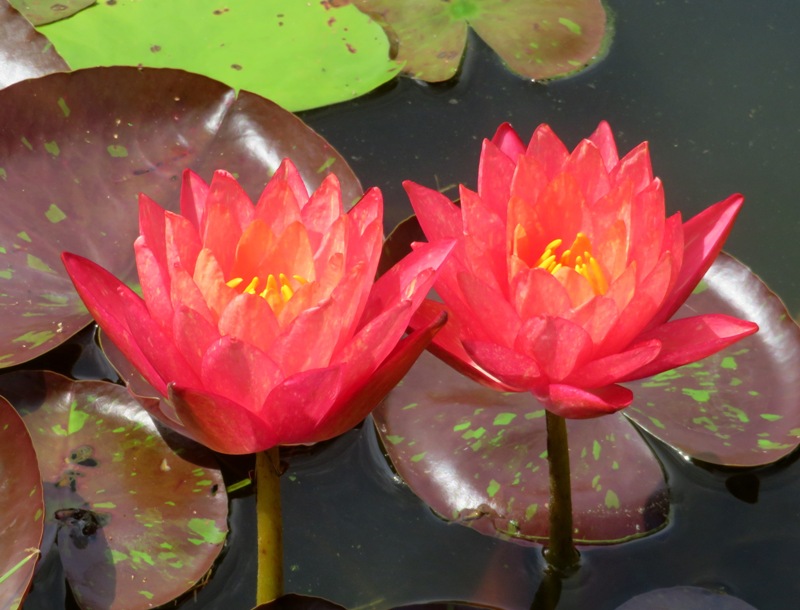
<point x="740" y="407"/>
<point x="538" y="40"/>
<point x="685" y="598"/>
<point x="21" y="507"/>
<point x="478" y="457"/>
<point x="39" y="12"/>
<point x="293" y="601"/>
<point x="24" y="53"/>
<point x="76" y="149"/>
<point x="138" y="517"/>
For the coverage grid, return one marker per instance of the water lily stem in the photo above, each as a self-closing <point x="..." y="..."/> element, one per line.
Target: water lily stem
<point x="269" y="581"/>
<point x="561" y="554"/>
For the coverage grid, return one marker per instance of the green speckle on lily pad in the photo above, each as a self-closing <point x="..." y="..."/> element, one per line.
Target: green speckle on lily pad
<point x="55" y="214"/>
<point x="117" y="150"/>
<point x="207" y="529"/>
<point x="299" y="54"/>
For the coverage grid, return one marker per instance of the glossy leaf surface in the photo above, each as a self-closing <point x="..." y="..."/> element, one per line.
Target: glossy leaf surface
<point x="740" y="407"/>
<point x="478" y="457"/>
<point x="39" y="12"/>
<point x="300" y="54"/>
<point x="685" y="598"/>
<point x="538" y="40"/>
<point x="76" y="149"/>
<point x="138" y="518"/>
<point x="24" y="53"/>
<point x="21" y="507"/>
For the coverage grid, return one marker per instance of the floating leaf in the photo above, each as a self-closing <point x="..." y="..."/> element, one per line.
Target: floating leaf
<point x="77" y="148"/>
<point x="39" y="12"/>
<point x="538" y="39"/>
<point x="24" y="53"/>
<point x="478" y="457"/>
<point x="300" y="54"/>
<point x="21" y="507"/>
<point x="685" y="598"/>
<point x="138" y="517"/>
<point x="293" y="601"/>
<point x="740" y="407"/>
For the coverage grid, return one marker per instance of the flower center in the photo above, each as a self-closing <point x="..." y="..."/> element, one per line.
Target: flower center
<point x="578" y="257"/>
<point x="276" y="291"/>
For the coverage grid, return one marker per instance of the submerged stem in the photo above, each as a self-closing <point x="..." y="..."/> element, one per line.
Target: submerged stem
<point x="561" y="554"/>
<point x="269" y="580"/>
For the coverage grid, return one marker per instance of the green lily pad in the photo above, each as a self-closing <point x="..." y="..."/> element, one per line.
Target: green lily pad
<point x="741" y="406"/>
<point x="21" y="508"/>
<point x="478" y="457"/>
<point x="76" y="149"/>
<point x="538" y="39"/>
<point x="39" y="12"/>
<point x="24" y="53"/>
<point x="138" y="517"/>
<point x="299" y="54"/>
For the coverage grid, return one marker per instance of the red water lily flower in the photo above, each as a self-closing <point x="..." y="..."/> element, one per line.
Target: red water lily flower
<point x="263" y="325"/>
<point x="567" y="271"/>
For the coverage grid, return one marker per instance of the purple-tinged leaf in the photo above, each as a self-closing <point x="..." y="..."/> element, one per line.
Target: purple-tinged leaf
<point x="24" y="53"/>
<point x="685" y="598"/>
<point x="292" y="601"/>
<point x="138" y="518"/>
<point x="741" y="406"/>
<point x="537" y="39"/>
<point x="478" y="457"/>
<point x="76" y="149"/>
<point x="21" y="508"/>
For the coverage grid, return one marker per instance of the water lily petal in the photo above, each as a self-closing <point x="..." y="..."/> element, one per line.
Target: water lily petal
<point x="219" y="423"/>
<point x="495" y="172"/>
<point x="279" y="203"/>
<point x="603" y="138"/>
<point x="691" y="339"/>
<point x="295" y="407"/>
<point x="556" y="344"/>
<point x="439" y="217"/>
<point x="322" y="210"/>
<point x="615" y="367"/>
<point x="703" y="237"/>
<point x="508" y="141"/>
<point x="513" y="368"/>
<point x="636" y="167"/>
<point x="356" y="400"/>
<point x="498" y="318"/>
<point x="228" y="211"/>
<point x="240" y="372"/>
<point x="155" y="282"/>
<point x="194" y="194"/>
<point x="577" y="403"/>
<point x="293" y="350"/>
<point x="486" y="247"/>
<point x="647" y="227"/>
<point x="586" y="165"/>
<point x="152" y="227"/>
<point x="549" y="149"/>
<point x="100" y="292"/>
<point x="193" y="334"/>
<point x="538" y="293"/>
<point x="182" y="241"/>
<point x="249" y="318"/>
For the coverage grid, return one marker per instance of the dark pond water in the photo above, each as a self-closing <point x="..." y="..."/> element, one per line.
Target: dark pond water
<point x="715" y="88"/>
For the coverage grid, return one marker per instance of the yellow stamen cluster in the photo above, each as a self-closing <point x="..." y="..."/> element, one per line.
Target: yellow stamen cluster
<point x="276" y="292"/>
<point x="578" y="257"/>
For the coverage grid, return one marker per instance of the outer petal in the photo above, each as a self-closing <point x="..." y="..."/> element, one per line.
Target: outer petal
<point x="691" y="339"/>
<point x="294" y="409"/>
<point x="703" y="237"/>
<point x="508" y="141"/>
<point x="155" y="282"/>
<point x="495" y="172"/>
<point x="557" y="345"/>
<point x="410" y="279"/>
<point x="447" y="345"/>
<point x="511" y="367"/>
<point x="439" y="217"/>
<point x="498" y="318"/>
<point x="249" y="318"/>
<point x="636" y="167"/>
<point x="101" y="293"/>
<point x="240" y="372"/>
<point x="279" y="204"/>
<point x="548" y="149"/>
<point x="358" y="398"/>
<point x="194" y="192"/>
<point x="577" y="403"/>
<point x="322" y="209"/>
<point x="603" y="138"/>
<point x="219" y="423"/>
<point x="611" y="369"/>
